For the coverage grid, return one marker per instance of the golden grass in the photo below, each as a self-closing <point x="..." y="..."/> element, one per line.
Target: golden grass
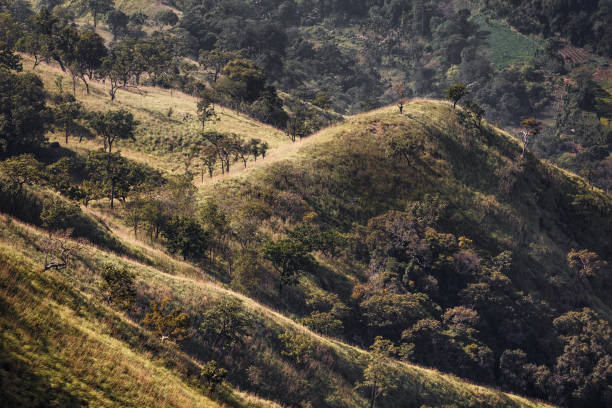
<point x="150" y="106"/>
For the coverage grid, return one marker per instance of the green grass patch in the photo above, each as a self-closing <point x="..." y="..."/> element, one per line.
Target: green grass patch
<point x="508" y="47"/>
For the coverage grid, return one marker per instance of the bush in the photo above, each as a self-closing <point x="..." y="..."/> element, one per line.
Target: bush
<point x="118" y="286"/>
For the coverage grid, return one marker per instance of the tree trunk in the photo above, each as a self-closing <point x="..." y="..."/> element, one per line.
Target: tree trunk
<point x="85" y="82"/>
<point x="112" y="197"/>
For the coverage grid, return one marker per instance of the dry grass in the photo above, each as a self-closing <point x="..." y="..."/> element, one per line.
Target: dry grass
<point x="150" y="106"/>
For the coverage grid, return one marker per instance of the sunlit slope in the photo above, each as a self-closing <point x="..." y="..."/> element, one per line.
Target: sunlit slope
<point x="168" y="119"/>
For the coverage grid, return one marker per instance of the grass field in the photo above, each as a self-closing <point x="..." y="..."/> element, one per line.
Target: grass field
<point x="508" y="47"/>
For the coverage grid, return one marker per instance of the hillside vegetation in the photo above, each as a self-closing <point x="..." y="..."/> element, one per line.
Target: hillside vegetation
<point x="249" y="247"/>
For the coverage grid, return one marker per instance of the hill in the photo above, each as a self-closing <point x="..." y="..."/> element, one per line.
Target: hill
<point x="67" y="343"/>
<point x="426" y="236"/>
<point x="428" y="208"/>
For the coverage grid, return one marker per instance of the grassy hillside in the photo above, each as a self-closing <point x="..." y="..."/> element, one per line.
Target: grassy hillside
<point x="62" y="337"/>
<point x="63" y="346"/>
<point x="161" y="138"/>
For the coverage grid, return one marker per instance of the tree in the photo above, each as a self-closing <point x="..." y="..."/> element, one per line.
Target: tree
<point x="117" y="20"/>
<point x="112" y="176"/>
<point x="217" y="223"/>
<point x="88" y="54"/>
<point x="456" y="92"/>
<point x="21" y="170"/>
<point x="299" y="124"/>
<point x="206" y="109"/>
<point x="225" y="323"/>
<point x="208" y="157"/>
<point x="531" y="128"/>
<point x="212" y="375"/>
<point x="512" y="370"/>
<point x="379" y="377"/>
<point x="24" y="116"/>
<point x="289" y="258"/>
<point x="60" y="249"/>
<point x="172" y="325"/>
<point x="58" y="214"/>
<point x="322" y="100"/>
<point x="582" y="372"/>
<point x="119" y="66"/>
<point x="185" y="237"/>
<point x="97" y="7"/>
<point x="586" y="264"/>
<point x="296" y="346"/>
<point x="475" y="111"/>
<point x="66" y="114"/>
<point x="217" y="59"/>
<point x="166" y="18"/>
<point x="8" y="59"/>
<point x="118" y="285"/>
<point x="400" y="91"/>
<point x="113" y="125"/>
<point x="31" y="44"/>
<point x="242" y="79"/>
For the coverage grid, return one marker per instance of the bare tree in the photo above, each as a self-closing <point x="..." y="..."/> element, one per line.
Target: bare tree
<point x="60" y="249"/>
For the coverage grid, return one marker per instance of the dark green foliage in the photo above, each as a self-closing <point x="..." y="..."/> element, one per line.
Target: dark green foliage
<point x="118" y="286"/>
<point x="184" y="236"/>
<point x="225" y="324"/>
<point x="456" y="92"/>
<point x="242" y="79"/>
<point x="67" y="112"/>
<point x="20" y="171"/>
<point x="112" y="176"/>
<point x="166" y="18"/>
<point x="290" y="258"/>
<point x="8" y="59"/>
<point x="97" y="8"/>
<point x="58" y="214"/>
<point x="113" y="125"/>
<point x="117" y="21"/>
<point x="24" y="116"/>
<point x="212" y="375"/>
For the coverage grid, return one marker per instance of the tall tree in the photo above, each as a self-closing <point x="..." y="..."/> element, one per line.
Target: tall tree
<point x="114" y="125"/>
<point x="24" y="116"/>
<point x="456" y="92"/>
<point x="97" y="8"/>
<point x="215" y="60"/>
<point x="531" y="128"/>
<point x="290" y="258"/>
<point x="379" y="377"/>
<point x="119" y="67"/>
<point x="67" y="112"/>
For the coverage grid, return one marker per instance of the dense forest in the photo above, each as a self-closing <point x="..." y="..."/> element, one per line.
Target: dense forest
<point x="419" y="231"/>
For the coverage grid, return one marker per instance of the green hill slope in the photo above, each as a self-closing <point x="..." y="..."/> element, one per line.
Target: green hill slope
<point x="63" y="346"/>
<point x="62" y="337"/>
